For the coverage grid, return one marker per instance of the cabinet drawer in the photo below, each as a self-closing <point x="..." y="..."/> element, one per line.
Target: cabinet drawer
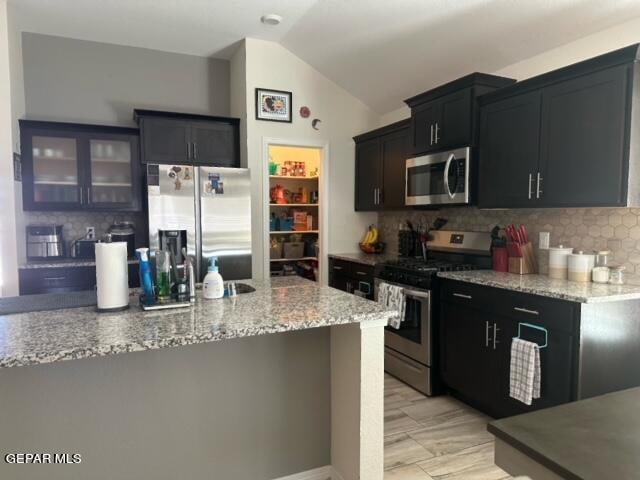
<point x="362" y="272"/>
<point x="542" y="311"/>
<point x="60" y="279"/>
<point x="341" y="267"/>
<point x="467" y="294"/>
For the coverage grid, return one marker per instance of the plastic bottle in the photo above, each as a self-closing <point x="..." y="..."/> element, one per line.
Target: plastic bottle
<point x="212" y="285"/>
<point x="146" y="280"/>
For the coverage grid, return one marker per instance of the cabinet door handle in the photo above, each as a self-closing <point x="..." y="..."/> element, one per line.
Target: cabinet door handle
<point x="539" y="186"/>
<point x="361" y="273"/>
<point x="53" y="279"/>
<point x="462" y="295"/>
<point x="495" y="335"/>
<point x="88" y="195"/>
<point x="436" y="133"/>
<point x="530" y="181"/>
<point x="431" y="137"/>
<point x="188" y="149"/>
<point x="81" y="195"/>
<point x="195" y="151"/>
<point x="526" y="310"/>
<point x="336" y="267"/>
<point x="487" y="327"/>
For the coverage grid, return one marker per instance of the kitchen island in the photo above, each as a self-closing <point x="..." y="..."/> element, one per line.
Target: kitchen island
<point x="590" y="439"/>
<point x="232" y="401"/>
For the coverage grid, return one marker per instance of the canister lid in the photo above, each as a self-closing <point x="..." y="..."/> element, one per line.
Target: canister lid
<point x="561" y="248"/>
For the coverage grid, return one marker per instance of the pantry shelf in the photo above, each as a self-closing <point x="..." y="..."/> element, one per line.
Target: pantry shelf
<point x="276" y="232"/>
<point x="293" y="259"/>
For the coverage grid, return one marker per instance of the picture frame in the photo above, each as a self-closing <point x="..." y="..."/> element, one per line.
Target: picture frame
<point x="274" y="105"/>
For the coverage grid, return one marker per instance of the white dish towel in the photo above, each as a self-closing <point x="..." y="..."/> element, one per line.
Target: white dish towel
<point x="392" y="296"/>
<point x="524" y="381"/>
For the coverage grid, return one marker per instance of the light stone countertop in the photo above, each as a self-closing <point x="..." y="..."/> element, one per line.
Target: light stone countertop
<point x="67" y="262"/>
<point x="587" y="292"/>
<point x="277" y="305"/>
<point x="372" y="259"/>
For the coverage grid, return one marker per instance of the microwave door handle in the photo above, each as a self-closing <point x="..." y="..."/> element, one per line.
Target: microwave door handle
<point x="447" y="166"/>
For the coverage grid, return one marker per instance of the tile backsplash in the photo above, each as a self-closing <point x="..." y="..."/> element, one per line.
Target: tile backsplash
<point x="615" y="229"/>
<point x="75" y="224"/>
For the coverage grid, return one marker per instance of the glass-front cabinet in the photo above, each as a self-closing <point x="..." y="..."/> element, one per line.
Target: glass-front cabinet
<point x="80" y="167"/>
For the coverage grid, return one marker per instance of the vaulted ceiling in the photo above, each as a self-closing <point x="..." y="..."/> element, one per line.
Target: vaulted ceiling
<point x="381" y="51"/>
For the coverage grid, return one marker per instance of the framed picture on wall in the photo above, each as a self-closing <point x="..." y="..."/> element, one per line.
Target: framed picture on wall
<point x="273" y="105"/>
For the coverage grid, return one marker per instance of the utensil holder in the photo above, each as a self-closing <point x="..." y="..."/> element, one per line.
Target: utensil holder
<point x="526" y="263"/>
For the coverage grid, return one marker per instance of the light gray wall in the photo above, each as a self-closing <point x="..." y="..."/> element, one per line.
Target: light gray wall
<point x="247" y="409"/>
<point x="89" y="82"/>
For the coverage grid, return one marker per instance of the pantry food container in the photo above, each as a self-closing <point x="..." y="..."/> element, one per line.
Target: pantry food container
<point x="293" y="249"/>
<point x="558" y="262"/>
<point x="580" y="265"/>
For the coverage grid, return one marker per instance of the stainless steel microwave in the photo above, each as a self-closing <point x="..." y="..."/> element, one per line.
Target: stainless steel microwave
<point x="439" y="178"/>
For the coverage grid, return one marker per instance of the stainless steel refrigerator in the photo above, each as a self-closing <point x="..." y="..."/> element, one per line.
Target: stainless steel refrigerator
<point x="205" y="209"/>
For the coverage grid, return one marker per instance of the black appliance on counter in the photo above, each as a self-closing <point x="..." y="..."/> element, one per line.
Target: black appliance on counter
<point x="84" y="248"/>
<point x="44" y="242"/>
<point x="124" y="232"/>
<point x="411" y="352"/>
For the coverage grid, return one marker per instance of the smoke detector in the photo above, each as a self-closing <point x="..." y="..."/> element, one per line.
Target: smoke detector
<point x="271" y="19"/>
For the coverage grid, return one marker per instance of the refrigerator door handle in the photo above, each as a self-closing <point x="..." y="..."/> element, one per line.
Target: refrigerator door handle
<point x="196" y="199"/>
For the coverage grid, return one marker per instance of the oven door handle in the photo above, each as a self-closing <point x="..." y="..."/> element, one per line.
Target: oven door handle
<point x="447" y="166"/>
<point x="416" y="294"/>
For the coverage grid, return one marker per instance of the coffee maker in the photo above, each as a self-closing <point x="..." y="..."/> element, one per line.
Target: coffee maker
<point x="44" y="242"/>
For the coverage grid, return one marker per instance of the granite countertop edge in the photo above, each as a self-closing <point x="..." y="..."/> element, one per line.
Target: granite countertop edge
<point x="362" y="258"/>
<point x="544" y="286"/>
<point x="31" y="338"/>
<point x="91" y="352"/>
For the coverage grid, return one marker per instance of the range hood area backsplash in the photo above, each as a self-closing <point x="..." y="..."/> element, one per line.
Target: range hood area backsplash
<point x="615" y="229"/>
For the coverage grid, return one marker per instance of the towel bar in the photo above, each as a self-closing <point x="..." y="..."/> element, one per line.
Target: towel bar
<point x="535" y="327"/>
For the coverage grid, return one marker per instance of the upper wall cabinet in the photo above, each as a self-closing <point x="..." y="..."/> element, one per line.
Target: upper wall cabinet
<point x="445" y="117"/>
<point x="568" y="138"/>
<point x="70" y="166"/>
<point x="168" y="137"/>
<point x="380" y="167"/>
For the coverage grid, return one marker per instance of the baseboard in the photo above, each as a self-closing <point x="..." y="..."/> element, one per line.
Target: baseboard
<point x="322" y="473"/>
<point x="335" y="475"/>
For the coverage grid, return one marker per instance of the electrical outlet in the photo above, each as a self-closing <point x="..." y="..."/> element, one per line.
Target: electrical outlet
<point x="91" y="233"/>
<point x="543" y="240"/>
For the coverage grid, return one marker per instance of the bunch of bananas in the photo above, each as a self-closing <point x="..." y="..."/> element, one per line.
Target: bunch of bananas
<point x="370" y="243"/>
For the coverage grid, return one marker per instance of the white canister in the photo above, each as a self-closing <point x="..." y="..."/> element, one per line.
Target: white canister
<point x="112" y="279"/>
<point x="580" y="266"/>
<point x="558" y="263"/>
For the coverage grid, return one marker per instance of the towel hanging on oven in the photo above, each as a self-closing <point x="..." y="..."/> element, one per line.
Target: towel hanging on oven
<point x="392" y="296"/>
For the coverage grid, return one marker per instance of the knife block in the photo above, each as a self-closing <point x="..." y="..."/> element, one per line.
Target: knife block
<point x="526" y="263"/>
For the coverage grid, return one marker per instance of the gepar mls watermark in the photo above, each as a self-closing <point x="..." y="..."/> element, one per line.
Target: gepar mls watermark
<point x="43" y="458"/>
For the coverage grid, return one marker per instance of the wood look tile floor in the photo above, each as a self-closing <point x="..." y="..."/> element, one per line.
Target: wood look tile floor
<point x="434" y="438"/>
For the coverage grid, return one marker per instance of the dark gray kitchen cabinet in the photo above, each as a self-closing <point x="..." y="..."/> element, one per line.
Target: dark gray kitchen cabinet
<point x="68" y="166"/>
<point x="380" y="167"/>
<point x="468" y="374"/>
<point x="165" y="140"/>
<point x="177" y="138"/>
<point x="63" y="279"/>
<point x="582" y="157"/>
<point x="578" y="148"/>
<point x="446" y="117"/>
<point x="589" y="346"/>
<point x="509" y="150"/>
<point x="368" y="174"/>
<point x="352" y="277"/>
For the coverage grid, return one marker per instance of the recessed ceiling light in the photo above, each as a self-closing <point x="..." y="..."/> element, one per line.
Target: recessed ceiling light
<point x="271" y="19"/>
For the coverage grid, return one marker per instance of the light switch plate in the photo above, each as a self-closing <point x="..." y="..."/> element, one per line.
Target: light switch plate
<point x="543" y="240"/>
<point x="91" y="233"/>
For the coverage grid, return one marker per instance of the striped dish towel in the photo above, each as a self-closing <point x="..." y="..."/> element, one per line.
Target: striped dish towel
<point x="524" y="381"/>
<point x="392" y="296"/>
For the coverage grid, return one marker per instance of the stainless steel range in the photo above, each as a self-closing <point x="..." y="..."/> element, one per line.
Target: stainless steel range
<point x="411" y="352"/>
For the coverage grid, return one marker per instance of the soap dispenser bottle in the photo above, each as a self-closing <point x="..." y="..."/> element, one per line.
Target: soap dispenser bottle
<point x="212" y="285"/>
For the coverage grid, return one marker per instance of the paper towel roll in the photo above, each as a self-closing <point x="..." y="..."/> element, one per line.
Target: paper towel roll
<point x="112" y="278"/>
